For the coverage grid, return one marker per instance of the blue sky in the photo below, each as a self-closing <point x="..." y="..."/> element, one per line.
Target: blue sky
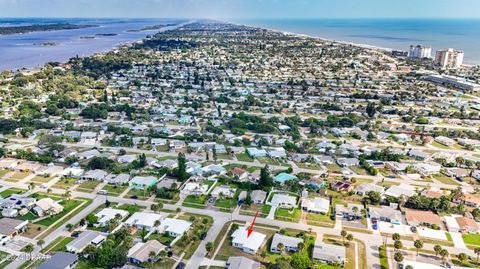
<point x="242" y="9"/>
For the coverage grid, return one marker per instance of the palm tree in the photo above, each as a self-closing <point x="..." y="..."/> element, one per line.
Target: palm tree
<point x="418" y="245"/>
<point x="349" y="238"/>
<point x="68" y="195"/>
<point x="151" y="256"/>
<point x="397" y="245"/>
<point x="281" y="247"/>
<point x="31" y="186"/>
<point x="462" y="257"/>
<point x="398" y="257"/>
<point x="437" y="249"/>
<point x="29" y="248"/>
<point x="40" y="243"/>
<point x="444" y="254"/>
<point x="343" y="233"/>
<point x="301" y="246"/>
<point x="396" y="236"/>
<point x="209" y="247"/>
<point x="477" y="251"/>
<point x="49" y="190"/>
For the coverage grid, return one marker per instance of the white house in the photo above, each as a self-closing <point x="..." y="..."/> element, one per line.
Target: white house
<point x="283" y="200"/>
<point x="223" y="191"/>
<point x="83" y="240"/>
<point x="316" y="205"/>
<point x="290" y="243"/>
<point x="107" y="214"/>
<point x="249" y="244"/>
<point x="145" y="220"/>
<point x="194" y="188"/>
<point x="175" y="227"/>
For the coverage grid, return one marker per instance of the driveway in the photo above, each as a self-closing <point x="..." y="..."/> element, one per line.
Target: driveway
<point x="458" y="240"/>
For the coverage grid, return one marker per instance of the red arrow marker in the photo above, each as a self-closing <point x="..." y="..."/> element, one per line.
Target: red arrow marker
<point x="250" y="229"/>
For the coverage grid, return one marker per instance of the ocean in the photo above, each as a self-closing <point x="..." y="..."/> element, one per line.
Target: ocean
<point x="29" y="50"/>
<point x="462" y="34"/>
<point x="24" y="50"/>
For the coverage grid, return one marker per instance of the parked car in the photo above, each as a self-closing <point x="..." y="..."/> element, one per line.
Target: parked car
<point x="180" y="266"/>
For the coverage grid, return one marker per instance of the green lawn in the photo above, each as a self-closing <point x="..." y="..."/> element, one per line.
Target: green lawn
<point x="471" y="239"/>
<point x="225" y="156"/>
<point x="244" y="157"/>
<point x="438" y="145"/>
<point x="226" y="203"/>
<point x="60" y="246"/>
<point x="194" y="201"/>
<point x="65" y="183"/>
<point x="4" y="172"/>
<point x="319" y="220"/>
<point x="20" y="175"/>
<point x="11" y="191"/>
<point x="383" y="257"/>
<point x="285" y="215"/>
<point x="162" y="238"/>
<point x="444" y="179"/>
<point x="67" y="207"/>
<point x="41" y="179"/>
<point x="89" y="184"/>
<point x="130" y="208"/>
<point x="115" y="189"/>
<point x="333" y="167"/>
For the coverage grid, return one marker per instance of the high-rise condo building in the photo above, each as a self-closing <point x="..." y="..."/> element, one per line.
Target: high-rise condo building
<point x="449" y="58"/>
<point x="420" y="52"/>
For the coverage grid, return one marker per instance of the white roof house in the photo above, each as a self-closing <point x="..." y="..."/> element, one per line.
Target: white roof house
<point x="86" y="238"/>
<point x="316" y="205"/>
<point x="452" y="224"/>
<point x="72" y="172"/>
<point x="107" y="214"/>
<point x="47" y="206"/>
<point x="94" y="175"/>
<point x="8" y="163"/>
<point x="283" y="200"/>
<point x="175" y="227"/>
<point x="144" y="220"/>
<point x="289" y="242"/>
<point x="402" y="189"/>
<point x="224" y="191"/>
<point x="117" y="179"/>
<point x="194" y="188"/>
<point x="140" y="182"/>
<point x="249" y="244"/>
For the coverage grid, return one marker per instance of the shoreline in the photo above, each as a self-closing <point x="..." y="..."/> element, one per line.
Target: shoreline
<point x="361" y="45"/>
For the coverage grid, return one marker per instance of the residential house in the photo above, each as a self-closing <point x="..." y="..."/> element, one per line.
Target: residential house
<point x="60" y="260"/>
<point x="71" y="172"/>
<point x="386" y="214"/>
<point x="316" y="205"/>
<point x="351" y="211"/>
<point x="117" y="179"/>
<point x="140" y="252"/>
<point x="85" y="239"/>
<point x="365" y="188"/>
<point x="283" y="200"/>
<point x="96" y="174"/>
<point x="467" y="199"/>
<point x="223" y="191"/>
<point x="107" y="214"/>
<point x="348" y="162"/>
<point x="9" y="228"/>
<point x="329" y="253"/>
<point x="417" y="218"/>
<point x="249" y="244"/>
<point x="239" y="174"/>
<point x="143" y="182"/>
<point x="399" y="190"/>
<point x="145" y="220"/>
<point x="47" y="206"/>
<point x="239" y="262"/>
<point x="194" y="188"/>
<point x="255" y="153"/>
<point x="174" y="227"/>
<point x="467" y="225"/>
<point x="342" y="186"/>
<point x="290" y="243"/>
<point x="258" y="196"/>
